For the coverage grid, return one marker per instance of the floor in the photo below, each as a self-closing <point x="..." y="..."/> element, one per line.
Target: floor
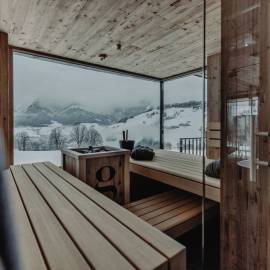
<point x="192" y="241"/>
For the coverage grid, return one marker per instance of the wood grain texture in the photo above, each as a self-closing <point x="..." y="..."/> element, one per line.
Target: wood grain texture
<point x="178" y="170"/>
<point x="6" y="99"/>
<point x="173" y="212"/>
<point x="126" y="188"/>
<point x="213" y="106"/>
<point x="157" y="38"/>
<point x="172" y="250"/>
<point x="128" y="244"/>
<point x="87" y="166"/>
<point x="56" y="245"/>
<point x="68" y="225"/>
<point x="10" y="141"/>
<point x="27" y="252"/>
<point x="245" y="74"/>
<point x="264" y="124"/>
<point x="72" y="219"/>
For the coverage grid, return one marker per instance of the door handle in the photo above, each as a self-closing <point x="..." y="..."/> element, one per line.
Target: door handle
<point x="253" y="160"/>
<point x="252" y="147"/>
<point x="263" y="133"/>
<point x="263" y="163"/>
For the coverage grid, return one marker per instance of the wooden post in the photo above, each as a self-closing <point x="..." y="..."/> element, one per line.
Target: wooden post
<point x="6" y="99"/>
<point x="245" y="204"/>
<point x="264" y="144"/>
<point x="213" y="108"/>
<point x="126" y="179"/>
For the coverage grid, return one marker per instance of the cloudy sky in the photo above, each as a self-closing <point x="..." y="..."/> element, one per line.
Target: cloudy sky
<point x="51" y="82"/>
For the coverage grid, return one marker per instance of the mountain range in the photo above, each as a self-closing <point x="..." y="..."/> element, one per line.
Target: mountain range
<point x="38" y="114"/>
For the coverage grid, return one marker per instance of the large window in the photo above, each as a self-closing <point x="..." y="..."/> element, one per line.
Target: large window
<point x="183" y="114"/>
<point x="58" y="105"/>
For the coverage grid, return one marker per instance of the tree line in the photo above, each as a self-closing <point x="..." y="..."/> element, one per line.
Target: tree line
<point x="80" y="136"/>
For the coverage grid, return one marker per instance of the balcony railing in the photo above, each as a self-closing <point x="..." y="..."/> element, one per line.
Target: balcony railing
<point x="193" y="146"/>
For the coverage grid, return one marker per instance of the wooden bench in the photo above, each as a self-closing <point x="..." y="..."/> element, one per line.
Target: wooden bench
<point x="61" y="223"/>
<point x="173" y="212"/>
<point x="178" y="170"/>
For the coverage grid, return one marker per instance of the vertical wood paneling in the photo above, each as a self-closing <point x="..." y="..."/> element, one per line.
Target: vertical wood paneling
<point x="264" y="125"/>
<point x="6" y="99"/>
<point x="213" y="106"/>
<point x="245" y="74"/>
<point x="10" y="109"/>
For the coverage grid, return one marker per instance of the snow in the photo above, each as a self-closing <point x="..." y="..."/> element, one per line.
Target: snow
<point x="187" y="123"/>
<point x="178" y="123"/>
<point x="23" y="157"/>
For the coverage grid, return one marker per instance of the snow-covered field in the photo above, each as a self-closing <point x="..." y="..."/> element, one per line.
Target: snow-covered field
<point x="182" y="123"/>
<point x="22" y="157"/>
<point x="179" y="123"/>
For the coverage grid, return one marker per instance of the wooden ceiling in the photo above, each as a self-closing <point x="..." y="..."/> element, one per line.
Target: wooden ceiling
<point x="159" y="38"/>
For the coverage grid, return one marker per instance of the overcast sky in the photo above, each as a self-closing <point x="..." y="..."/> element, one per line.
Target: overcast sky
<point x="51" y="82"/>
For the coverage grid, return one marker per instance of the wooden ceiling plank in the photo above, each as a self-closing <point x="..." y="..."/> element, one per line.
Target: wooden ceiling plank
<point x="96" y="31"/>
<point x="61" y="22"/>
<point x="157" y="37"/>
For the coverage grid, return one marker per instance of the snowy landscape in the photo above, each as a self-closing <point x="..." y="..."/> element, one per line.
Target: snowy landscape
<point x="58" y="106"/>
<point x="36" y="124"/>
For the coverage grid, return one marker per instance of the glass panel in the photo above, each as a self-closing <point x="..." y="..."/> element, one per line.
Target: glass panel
<point x="58" y="105"/>
<point x="183" y="137"/>
<point x="241" y="111"/>
<point x="183" y="99"/>
<point x="213" y="122"/>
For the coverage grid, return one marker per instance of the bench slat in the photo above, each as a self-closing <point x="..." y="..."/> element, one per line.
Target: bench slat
<point x="79" y="229"/>
<point x="176" y="220"/>
<point x="174" y="215"/>
<point x="182" y="171"/>
<point x="152" y="202"/>
<point x="148" y="199"/>
<point x="141" y="254"/>
<point x="167" y="208"/>
<point x="158" y="205"/>
<point x="28" y="253"/>
<point x="176" y="212"/>
<point x="58" y="248"/>
<point x="172" y="250"/>
<point x="182" y="217"/>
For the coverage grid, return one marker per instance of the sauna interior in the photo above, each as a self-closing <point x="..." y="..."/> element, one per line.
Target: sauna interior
<point x="134" y="134"/>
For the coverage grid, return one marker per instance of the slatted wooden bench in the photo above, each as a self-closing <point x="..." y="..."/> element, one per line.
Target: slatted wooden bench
<point x="178" y="170"/>
<point x="173" y="212"/>
<point x="61" y="223"/>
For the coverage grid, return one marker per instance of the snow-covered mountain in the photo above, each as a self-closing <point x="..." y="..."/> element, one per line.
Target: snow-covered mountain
<point x="34" y="115"/>
<point x="38" y="115"/>
<point x="179" y="122"/>
<point x="36" y="107"/>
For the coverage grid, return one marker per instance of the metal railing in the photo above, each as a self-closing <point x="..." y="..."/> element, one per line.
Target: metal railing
<point x="193" y="146"/>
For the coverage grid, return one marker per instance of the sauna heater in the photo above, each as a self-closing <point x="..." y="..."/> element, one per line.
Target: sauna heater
<point x="104" y="168"/>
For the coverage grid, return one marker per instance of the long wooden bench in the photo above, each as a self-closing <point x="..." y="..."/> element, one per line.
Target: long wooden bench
<point x="179" y="170"/>
<point x="173" y="212"/>
<point x="61" y="223"/>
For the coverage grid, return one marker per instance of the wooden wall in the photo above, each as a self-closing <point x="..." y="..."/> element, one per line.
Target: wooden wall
<point x="213" y="106"/>
<point x="6" y="99"/>
<point x="245" y="213"/>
